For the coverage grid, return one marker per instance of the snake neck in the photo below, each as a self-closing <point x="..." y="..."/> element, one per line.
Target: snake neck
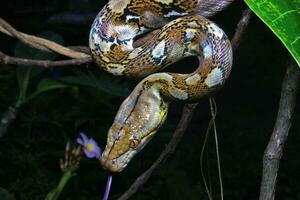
<point x="138" y="119"/>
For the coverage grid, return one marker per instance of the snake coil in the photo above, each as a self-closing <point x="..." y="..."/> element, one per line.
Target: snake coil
<point x="183" y="32"/>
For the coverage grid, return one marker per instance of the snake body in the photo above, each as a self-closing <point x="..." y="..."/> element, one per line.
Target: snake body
<point x="182" y="33"/>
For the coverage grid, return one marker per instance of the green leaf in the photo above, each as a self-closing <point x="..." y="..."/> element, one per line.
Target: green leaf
<point x="44" y="86"/>
<point x="283" y="18"/>
<point x="23" y="75"/>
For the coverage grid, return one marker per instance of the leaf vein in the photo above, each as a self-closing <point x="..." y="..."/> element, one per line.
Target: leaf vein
<point x="295" y="40"/>
<point x="285" y="13"/>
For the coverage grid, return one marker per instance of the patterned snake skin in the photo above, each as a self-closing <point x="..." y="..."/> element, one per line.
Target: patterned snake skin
<point x="183" y="31"/>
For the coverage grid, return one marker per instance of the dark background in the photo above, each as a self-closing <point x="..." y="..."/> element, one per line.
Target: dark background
<point x="247" y="108"/>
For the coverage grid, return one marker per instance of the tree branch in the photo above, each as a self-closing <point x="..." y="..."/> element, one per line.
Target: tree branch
<point x="240" y="29"/>
<point x="39" y="43"/>
<point x="80" y="54"/>
<point x="185" y="120"/>
<point x="43" y="63"/>
<point x="274" y="149"/>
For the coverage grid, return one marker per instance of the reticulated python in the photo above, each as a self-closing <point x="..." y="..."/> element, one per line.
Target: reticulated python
<point x="183" y="31"/>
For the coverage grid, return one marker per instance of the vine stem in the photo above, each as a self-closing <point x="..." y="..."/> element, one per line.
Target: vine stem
<point x="212" y="123"/>
<point x="53" y="195"/>
<point x="213" y="110"/>
<point x="66" y="177"/>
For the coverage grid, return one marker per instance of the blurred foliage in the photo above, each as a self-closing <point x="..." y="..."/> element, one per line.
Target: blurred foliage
<point x="25" y="74"/>
<point x="59" y="103"/>
<point x="283" y="17"/>
<point x="4" y="194"/>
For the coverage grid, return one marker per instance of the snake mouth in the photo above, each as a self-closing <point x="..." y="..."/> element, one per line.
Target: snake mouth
<point x="117" y="164"/>
<point x="110" y="165"/>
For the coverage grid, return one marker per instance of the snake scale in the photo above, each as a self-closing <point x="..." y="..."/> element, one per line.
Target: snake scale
<point x="183" y="31"/>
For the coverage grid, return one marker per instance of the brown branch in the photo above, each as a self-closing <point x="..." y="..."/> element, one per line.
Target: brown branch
<point x="39" y="43"/>
<point x="43" y="63"/>
<point x="240" y="29"/>
<point x="186" y="117"/>
<point x="274" y="149"/>
<point x="83" y="49"/>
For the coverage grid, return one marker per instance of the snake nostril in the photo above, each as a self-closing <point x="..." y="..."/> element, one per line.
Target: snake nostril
<point x="134" y="143"/>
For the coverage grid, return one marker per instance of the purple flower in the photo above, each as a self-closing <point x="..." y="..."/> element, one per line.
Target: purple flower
<point x="90" y="146"/>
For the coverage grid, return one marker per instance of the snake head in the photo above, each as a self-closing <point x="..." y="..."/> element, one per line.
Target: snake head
<point x="137" y="120"/>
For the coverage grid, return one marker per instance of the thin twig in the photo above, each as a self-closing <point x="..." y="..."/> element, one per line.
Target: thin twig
<point x="213" y="110"/>
<point x="212" y="122"/>
<point x="208" y="191"/>
<point x="184" y="121"/>
<point x="39" y="43"/>
<point x="80" y="54"/>
<point x="274" y="149"/>
<point x="43" y="63"/>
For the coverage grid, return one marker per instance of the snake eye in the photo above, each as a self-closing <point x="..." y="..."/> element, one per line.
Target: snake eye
<point x="134" y="143"/>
